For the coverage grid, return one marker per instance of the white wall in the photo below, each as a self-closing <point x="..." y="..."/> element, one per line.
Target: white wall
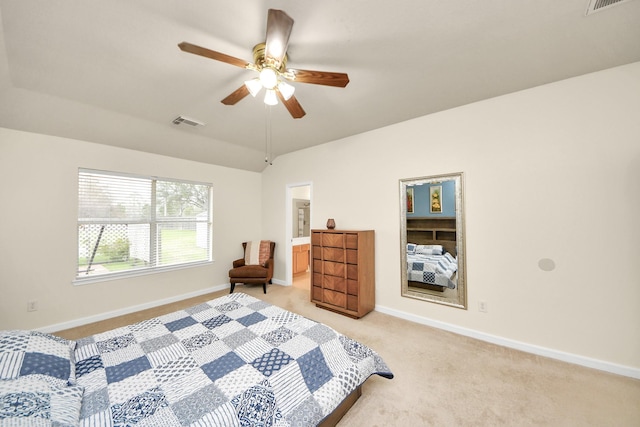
<point x="551" y="172"/>
<point x="38" y="228"/>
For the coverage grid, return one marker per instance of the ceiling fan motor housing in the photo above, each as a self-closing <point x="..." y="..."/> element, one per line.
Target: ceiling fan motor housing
<point x="261" y="61"/>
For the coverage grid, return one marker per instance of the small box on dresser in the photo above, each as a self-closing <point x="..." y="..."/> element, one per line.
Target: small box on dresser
<point x="343" y="271"/>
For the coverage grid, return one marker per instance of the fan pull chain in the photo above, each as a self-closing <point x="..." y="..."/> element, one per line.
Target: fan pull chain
<point x="270" y="139"/>
<point x="266" y="135"/>
<point x="268" y="149"/>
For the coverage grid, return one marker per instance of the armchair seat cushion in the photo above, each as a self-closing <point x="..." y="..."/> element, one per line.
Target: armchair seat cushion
<point x="249" y="271"/>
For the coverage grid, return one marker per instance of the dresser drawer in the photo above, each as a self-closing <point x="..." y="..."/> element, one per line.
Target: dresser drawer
<point x="317" y="293"/>
<point x="333" y="254"/>
<point x="316" y="280"/>
<point x="334" y="283"/>
<point x="352" y="256"/>
<point x="352" y="302"/>
<point x="352" y="272"/>
<point x="333" y="268"/>
<point x="316" y="239"/>
<point x="352" y="287"/>
<point x="334" y="298"/>
<point x="340" y="240"/>
<point x="335" y="240"/>
<point x="351" y="241"/>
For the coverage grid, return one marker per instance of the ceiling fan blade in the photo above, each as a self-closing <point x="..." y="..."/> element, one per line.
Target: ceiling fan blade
<point x="208" y="53"/>
<point x="236" y="96"/>
<point x="321" y="78"/>
<point x="279" y="26"/>
<point x="292" y="104"/>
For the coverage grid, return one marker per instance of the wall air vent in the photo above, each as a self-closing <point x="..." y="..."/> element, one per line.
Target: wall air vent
<point x="187" y="121"/>
<point x="598" y="5"/>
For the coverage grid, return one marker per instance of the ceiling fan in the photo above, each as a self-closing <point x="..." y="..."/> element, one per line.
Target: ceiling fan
<point x="270" y="61"/>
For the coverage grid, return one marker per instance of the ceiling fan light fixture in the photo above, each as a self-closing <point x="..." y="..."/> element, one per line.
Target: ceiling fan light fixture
<point x="254" y="86"/>
<point x="270" y="97"/>
<point x="270" y="61"/>
<point x="286" y="90"/>
<point x="268" y="78"/>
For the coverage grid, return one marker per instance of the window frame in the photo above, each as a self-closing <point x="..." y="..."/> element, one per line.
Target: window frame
<point x="153" y="223"/>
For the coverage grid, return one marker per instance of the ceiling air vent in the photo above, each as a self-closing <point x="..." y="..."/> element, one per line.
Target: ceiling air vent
<point x="598" y="5"/>
<point x="187" y="121"/>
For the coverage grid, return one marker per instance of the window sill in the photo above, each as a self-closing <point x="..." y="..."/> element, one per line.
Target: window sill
<point x="79" y="281"/>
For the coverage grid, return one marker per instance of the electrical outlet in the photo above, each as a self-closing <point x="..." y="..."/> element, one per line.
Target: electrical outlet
<point x="32" y="305"/>
<point x="482" y="306"/>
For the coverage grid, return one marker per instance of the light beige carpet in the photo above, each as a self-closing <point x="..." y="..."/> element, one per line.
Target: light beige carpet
<point x="443" y="379"/>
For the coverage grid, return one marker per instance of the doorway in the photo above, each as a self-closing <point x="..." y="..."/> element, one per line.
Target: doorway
<point x="298" y="235"/>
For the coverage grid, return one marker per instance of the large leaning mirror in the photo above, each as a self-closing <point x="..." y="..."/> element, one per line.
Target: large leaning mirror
<point x="432" y="251"/>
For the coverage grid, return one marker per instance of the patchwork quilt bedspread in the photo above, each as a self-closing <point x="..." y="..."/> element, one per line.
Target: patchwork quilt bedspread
<point x="232" y="361"/>
<point x="433" y="269"/>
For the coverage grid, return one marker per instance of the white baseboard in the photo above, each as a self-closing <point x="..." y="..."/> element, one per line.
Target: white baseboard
<point x="588" y="362"/>
<point x="613" y="368"/>
<point x="127" y="310"/>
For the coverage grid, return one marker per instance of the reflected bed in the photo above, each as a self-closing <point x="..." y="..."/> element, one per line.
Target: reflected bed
<point x="431" y="267"/>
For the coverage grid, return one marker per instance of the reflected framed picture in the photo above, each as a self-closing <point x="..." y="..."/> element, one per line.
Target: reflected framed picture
<point x="409" y="199"/>
<point x="435" y="197"/>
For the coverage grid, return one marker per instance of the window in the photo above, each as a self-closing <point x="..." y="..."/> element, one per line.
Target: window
<point x="131" y="224"/>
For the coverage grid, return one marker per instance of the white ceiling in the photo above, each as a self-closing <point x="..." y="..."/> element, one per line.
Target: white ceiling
<point x="111" y="72"/>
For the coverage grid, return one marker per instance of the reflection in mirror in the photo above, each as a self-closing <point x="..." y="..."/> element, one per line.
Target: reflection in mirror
<point x="432" y="239"/>
<point x="301" y="218"/>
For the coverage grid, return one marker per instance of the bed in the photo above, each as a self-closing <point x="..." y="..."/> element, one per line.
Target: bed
<point x="232" y="361"/>
<point x="431" y="267"/>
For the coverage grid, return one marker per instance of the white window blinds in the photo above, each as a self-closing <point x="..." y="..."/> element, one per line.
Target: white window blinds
<point x="131" y="224"/>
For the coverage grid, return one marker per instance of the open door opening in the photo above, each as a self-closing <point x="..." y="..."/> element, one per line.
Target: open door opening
<point x="299" y="235"/>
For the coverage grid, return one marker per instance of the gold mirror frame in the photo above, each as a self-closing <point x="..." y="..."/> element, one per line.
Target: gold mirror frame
<point x="457" y="298"/>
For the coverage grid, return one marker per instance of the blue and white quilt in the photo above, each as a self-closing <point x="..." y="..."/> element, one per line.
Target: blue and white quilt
<point x="432" y="269"/>
<point x="232" y="361"/>
<point x="37" y="380"/>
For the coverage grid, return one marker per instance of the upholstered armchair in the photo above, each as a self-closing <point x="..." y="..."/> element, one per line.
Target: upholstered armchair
<point x="253" y="268"/>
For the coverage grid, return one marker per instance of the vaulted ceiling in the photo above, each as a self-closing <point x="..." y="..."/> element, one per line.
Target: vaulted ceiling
<point x="111" y="72"/>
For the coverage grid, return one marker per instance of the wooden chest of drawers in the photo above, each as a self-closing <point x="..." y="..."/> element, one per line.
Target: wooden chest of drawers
<point x="343" y="271"/>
